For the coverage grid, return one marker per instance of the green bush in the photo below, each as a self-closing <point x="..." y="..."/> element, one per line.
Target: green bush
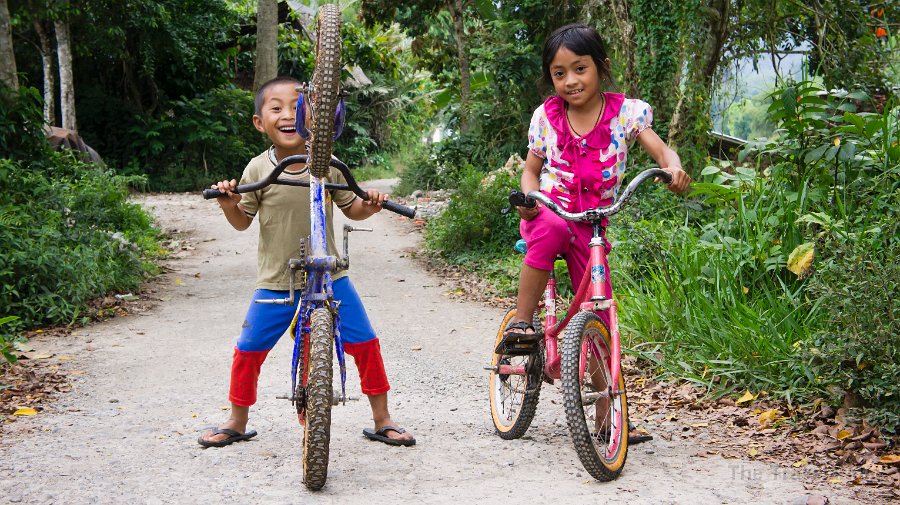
<point x="81" y="241"/>
<point x="472" y="223"/>
<point x="196" y="142"/>
<point x="857" y="351"/>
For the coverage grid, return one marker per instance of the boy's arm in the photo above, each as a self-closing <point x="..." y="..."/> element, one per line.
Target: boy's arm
<point x="667" y="159"/>
<point x="231" y="206"/>
<point x="361" y="209"/>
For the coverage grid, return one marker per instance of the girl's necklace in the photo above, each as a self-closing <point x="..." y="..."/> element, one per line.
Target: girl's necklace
<point x="602" y="108"/>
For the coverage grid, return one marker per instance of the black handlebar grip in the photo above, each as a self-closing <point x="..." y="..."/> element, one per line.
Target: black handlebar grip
<point x="400" y="209"/>
<point x="209" y="194"/>
<point x="666" y="177"/>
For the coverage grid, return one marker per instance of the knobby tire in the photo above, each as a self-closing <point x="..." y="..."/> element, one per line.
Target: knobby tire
<point x="514" y="399"/>
<point x="596" y="457"/>
<point x="318" y="372"/>
<point x="326" y="89"/>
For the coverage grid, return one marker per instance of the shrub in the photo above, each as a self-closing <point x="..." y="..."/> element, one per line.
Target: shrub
<point x="472" y="222"/>
<point x="857" y="352"/>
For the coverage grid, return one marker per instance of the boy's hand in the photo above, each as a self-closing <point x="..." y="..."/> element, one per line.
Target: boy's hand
<point x="376" y="201"/>
<point x="680" y="180"/>
<point x="229" y="199"/>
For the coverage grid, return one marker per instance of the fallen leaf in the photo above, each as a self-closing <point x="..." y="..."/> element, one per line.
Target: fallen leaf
<point x="25" y="411"/>
<point x="66" y="358"/>
<point x="768" y="417"/>
<point x="747" y="397"/>
<point x="417" y="348"/>
<point x="800" y="463"/>
<point x="700" y="425"/>
<point x="843" y="434"/>
<point x="225" y="407"/>
<point x="38" y="356"/>
<point x="889" y="459"/>
<point x="752" y="452"/>
<point x="179" y="281"/>
<point x="836" y="480"/>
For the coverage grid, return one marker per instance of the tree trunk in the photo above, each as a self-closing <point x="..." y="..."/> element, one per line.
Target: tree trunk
<point x="691" y="118"/>
<point x="266" y="42"/>
<point x="7" y="55"/>
<point x="49" y="75"/>
<point x="626" y="46"/>
<point x="456" y="8"/>
<point x="66" y="81"/>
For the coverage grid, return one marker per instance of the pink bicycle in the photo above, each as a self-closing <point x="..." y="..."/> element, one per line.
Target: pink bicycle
<point x="588" y="362"/>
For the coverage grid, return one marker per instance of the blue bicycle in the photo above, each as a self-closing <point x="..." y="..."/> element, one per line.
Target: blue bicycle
<point x="317" y="326"/>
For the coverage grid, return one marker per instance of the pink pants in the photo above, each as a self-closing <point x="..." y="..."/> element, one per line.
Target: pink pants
<point x="548" y="236"/>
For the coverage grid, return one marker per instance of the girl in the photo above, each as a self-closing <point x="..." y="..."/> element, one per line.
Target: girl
<point x="578" y="144"/>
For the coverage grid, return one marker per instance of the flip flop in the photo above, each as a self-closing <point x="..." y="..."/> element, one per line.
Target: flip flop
<point x="381" y="436"/>
<point x="233" y="436"/>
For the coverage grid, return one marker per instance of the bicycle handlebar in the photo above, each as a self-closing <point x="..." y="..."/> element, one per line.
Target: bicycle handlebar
<point x="272" y="178"/>
<point x="599" y="213"/>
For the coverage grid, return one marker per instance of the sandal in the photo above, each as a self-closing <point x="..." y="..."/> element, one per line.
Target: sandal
<point x="515" y="336"/>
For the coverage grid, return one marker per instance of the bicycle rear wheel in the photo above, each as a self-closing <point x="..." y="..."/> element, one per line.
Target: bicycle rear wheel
<point x="326" y="89"/>
<point x="597" y="413"/>
<point x="318" y="375"/>
<point x="514" y="397"/>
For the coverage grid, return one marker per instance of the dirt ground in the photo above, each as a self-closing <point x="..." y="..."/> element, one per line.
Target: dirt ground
<point x="145" y="385"/>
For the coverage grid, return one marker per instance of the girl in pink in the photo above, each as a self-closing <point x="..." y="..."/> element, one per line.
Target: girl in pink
<point x="578" y="145"/>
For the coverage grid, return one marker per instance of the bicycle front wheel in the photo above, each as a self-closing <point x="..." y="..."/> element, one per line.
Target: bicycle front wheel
<point x="596" y="410"/>
<point x="514" y="396"/>
<point x="326" y="89"/>
<point x="318" y="373"/>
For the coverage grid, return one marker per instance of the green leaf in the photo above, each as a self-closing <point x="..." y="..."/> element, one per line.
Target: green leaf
<point x="815" y="154"/>
<point x="710" y="170"/>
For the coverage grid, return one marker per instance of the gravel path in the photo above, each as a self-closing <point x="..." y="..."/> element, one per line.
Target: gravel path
<point x="146" y="385"/>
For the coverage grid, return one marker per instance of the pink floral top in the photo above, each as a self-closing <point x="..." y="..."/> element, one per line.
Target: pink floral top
<point x="582" y="173"/>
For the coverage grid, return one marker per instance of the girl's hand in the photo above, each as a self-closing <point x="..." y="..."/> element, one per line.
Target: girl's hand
<point x="229" y="199"/>
<point x="376" y="201"/>
<point x="528" y="214"/>
<point x="680" y="180"/>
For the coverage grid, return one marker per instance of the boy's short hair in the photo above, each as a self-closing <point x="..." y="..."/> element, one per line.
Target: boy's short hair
<point x="261" y="92"/>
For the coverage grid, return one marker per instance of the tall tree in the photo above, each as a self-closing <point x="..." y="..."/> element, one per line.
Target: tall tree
<point x="46" y="48"/>
<point x="7" y="57"/>
<point x="421" y="12"/>
<point x="266" y="42"/>
<point x="66" y="79"/>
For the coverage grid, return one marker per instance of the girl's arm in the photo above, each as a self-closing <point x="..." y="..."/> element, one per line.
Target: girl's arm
<point x="530" y="181"/>
<point x="667" y="159"/>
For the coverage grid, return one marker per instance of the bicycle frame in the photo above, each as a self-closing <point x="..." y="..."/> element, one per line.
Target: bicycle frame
<point x="317" y="289"/>
<point x="592" y="294"/>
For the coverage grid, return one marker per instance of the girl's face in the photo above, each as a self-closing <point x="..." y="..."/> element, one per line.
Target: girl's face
<point x="575" y="77"/>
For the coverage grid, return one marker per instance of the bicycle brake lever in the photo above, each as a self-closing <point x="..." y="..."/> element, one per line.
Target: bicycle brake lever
<point x="519" y="199"/>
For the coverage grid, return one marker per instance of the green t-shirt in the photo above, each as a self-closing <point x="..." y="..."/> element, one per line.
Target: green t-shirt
<point x="284" y="219"/>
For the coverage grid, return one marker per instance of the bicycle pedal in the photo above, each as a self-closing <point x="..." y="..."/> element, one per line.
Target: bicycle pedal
<point x="517" y="348"/>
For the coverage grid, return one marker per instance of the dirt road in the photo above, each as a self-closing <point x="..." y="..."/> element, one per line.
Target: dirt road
<point x="146" y="385"/>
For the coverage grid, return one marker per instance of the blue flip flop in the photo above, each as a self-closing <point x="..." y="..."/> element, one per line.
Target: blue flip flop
<point x="233" y="436"/>
<point x="381" y="436"/>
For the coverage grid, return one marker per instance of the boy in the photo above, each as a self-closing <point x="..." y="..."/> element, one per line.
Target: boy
<point x="284" y="212"/>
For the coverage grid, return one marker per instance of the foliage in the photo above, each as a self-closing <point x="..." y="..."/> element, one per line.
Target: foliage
<point x="83" y="240"/>
<point x="857" y="351"/>
<point x="473" y="222"/>
<point x="7" y="341"/>
<point x="197" y="141"/>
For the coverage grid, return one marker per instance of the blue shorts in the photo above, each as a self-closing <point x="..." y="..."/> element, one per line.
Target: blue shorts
<point x="265" y="323"/>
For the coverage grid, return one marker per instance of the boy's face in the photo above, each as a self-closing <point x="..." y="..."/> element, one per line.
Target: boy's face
<point x="277" y="117"/>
